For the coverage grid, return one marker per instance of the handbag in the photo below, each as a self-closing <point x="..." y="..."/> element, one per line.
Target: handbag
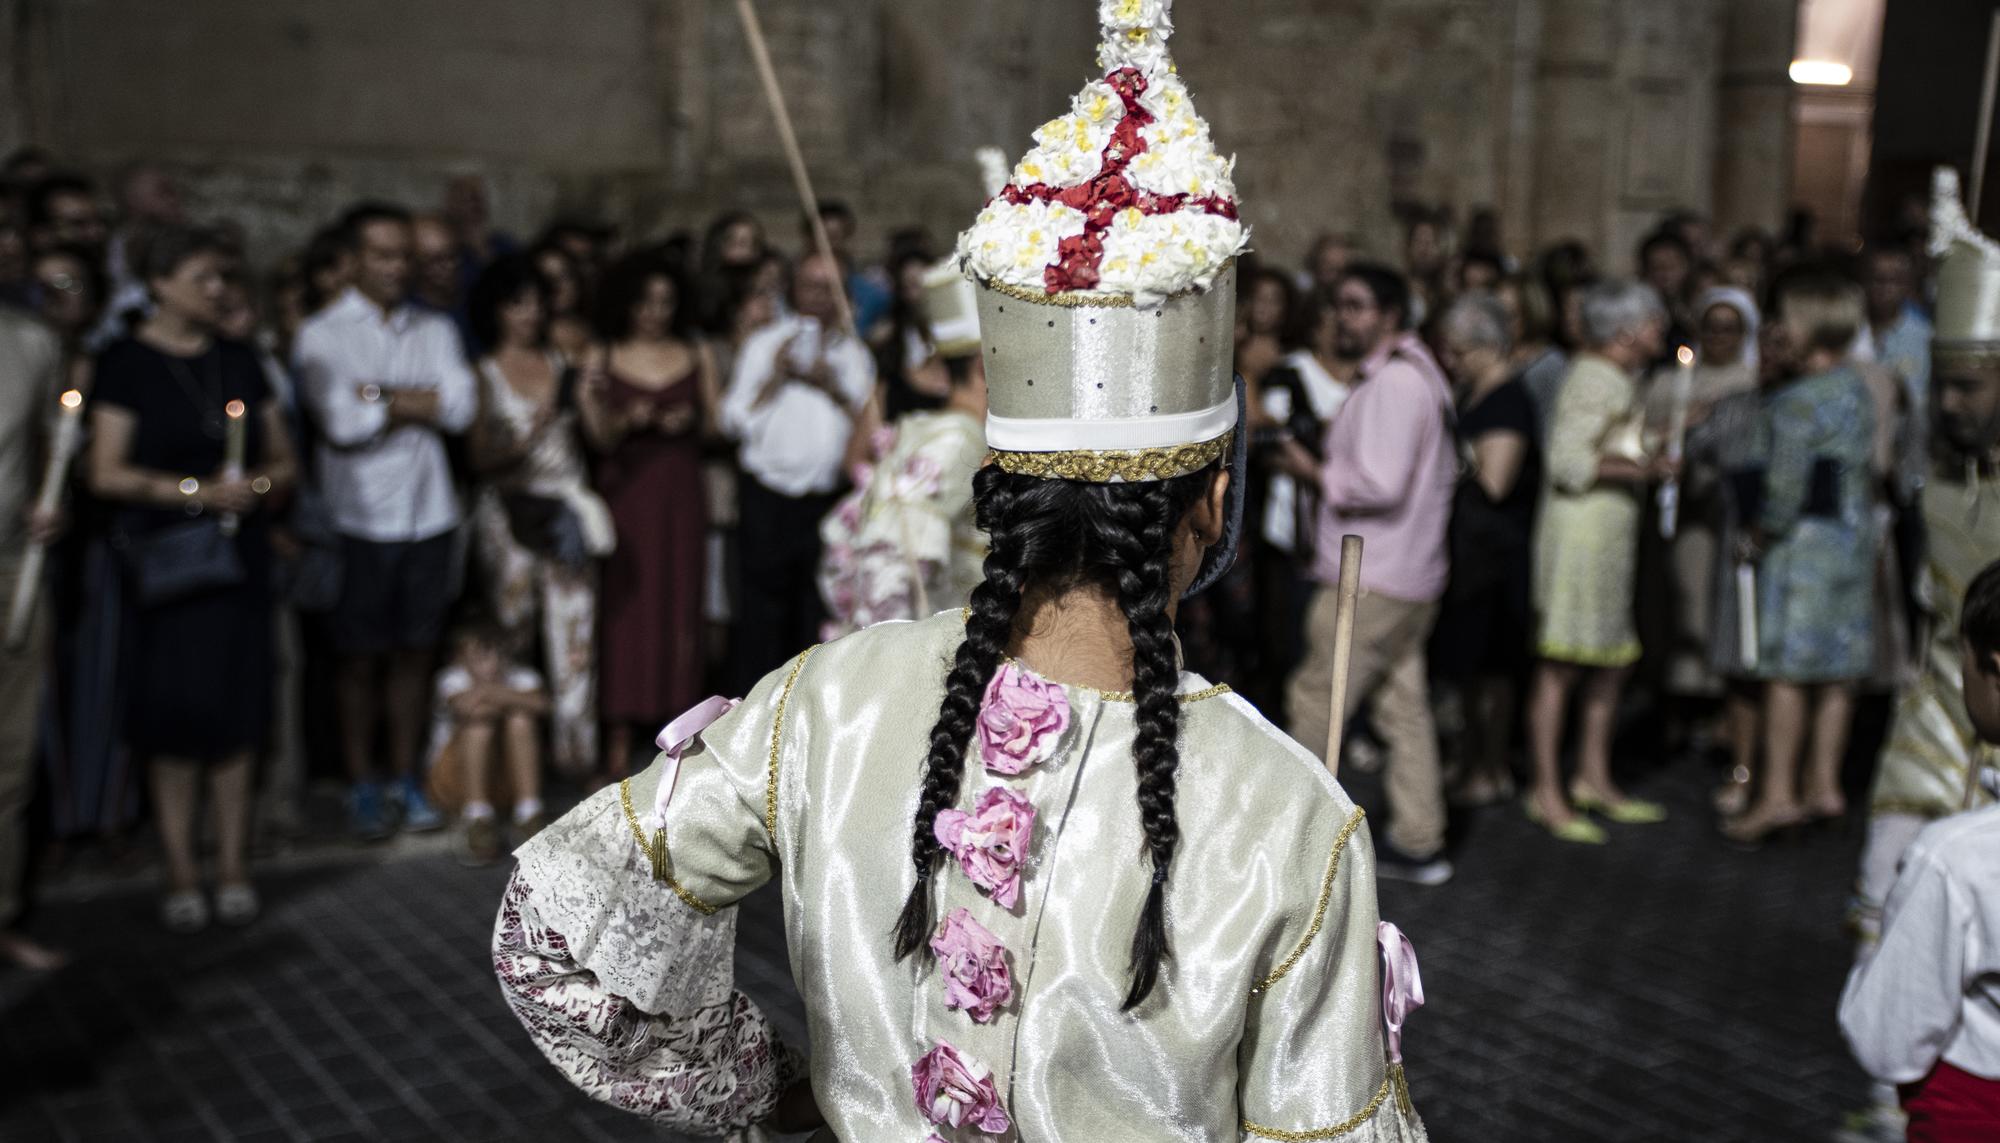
<point x="183" y="559"/>
<point x="533" y="520"/>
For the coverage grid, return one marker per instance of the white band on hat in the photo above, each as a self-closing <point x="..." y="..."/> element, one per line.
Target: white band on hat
<point x="1023" y="434"/>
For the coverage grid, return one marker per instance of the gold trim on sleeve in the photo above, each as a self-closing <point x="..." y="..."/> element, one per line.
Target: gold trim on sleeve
<point x="1190" y="697"/>
<point x="1337" y="1130"/>
<point x="777" y="736"/>
<point x="1093" y="466"/>
<point x="1319" y="918"/>
<point x="656" y="852"/>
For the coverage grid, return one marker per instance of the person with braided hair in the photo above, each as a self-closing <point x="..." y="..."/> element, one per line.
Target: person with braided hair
<point x="1039" y="881"/>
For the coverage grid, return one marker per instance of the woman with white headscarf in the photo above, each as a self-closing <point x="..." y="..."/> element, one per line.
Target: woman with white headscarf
<point x="1725" y="365"/>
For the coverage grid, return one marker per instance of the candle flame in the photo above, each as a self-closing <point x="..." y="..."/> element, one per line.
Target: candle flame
<point x="1686" y="355"/>
<point x="72" y="399"/>
<point x="234" y="408"/>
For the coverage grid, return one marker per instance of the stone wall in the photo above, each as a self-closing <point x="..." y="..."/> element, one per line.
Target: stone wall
<point x="1576" y="118"/>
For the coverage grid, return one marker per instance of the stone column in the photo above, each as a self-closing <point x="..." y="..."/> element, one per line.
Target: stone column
<point x="1577" y="109"/>
<point x="1753" y="153"/>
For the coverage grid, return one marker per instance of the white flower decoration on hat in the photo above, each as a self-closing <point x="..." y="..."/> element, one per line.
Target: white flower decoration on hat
<point x="1138" y="200"/>
<point x="1019" y="238"/>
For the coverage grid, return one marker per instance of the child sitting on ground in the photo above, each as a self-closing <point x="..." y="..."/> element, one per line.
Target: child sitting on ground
<point x="1924" y="1011"/>
<point x="487" y="707"/>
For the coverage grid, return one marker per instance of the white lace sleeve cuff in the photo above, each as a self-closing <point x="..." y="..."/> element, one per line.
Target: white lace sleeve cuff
<point x="587" y="879"/>
<point x="709" y="1071"/>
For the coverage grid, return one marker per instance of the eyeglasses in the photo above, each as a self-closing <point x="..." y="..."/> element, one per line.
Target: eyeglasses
<point x="63" y="283"/>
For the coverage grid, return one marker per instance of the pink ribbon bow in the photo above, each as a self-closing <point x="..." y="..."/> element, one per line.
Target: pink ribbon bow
<point x="673" y="742"/>
<point x="1402" y="985"/>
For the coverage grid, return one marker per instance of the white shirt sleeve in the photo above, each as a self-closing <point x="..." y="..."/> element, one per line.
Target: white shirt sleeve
<point x="1902" y="1006"/>
<point x="857" y="370"/>
<point x="458" y="391"/>
<point x="753" y="367"/>
<point x="331" y="387"/>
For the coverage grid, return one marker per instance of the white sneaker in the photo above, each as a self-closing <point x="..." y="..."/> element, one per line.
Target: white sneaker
<point x="237" y="905"/>
<point x="184" y="912"/>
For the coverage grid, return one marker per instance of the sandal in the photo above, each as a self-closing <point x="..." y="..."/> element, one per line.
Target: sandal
<point x="1578" y="830"/>
<point x="1624" y="811"/>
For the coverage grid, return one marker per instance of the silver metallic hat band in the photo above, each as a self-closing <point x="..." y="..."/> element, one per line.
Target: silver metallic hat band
<point x="1083" y="373"/>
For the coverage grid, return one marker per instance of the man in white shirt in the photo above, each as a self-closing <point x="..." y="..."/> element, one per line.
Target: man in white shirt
<point x="798" y="387"/>
<point x="1924" y="1011"/>
<point x="384" y="382"/>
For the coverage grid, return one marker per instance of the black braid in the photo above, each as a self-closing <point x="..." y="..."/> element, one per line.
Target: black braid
<point x="1143" y="587"/>
<point x="994" y="604"/>
<point x="1060" y="534"/>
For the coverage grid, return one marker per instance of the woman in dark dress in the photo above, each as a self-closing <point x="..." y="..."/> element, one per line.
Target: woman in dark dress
<point x="648" y="398"/>
<point x="1482" y="636"/>
<point x="198" y="650"/>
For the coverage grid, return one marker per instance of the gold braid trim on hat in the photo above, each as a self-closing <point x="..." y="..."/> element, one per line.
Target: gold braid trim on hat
<point x="1104" y="467"/>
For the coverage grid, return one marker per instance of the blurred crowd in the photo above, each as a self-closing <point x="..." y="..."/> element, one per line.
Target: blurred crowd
<point x="442" y="514"/>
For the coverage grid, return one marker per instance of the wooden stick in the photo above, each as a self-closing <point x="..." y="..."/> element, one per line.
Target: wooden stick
<point x="801" y="180"/>
<point x="1983" y="136"/>
<point x="1348" y="594"/>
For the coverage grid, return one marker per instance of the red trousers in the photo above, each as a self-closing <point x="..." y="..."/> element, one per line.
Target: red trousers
<point x="1952" y="1106"/>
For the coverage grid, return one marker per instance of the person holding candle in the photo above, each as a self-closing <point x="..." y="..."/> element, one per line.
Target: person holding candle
<point x="1813" y="542"/>
<point x="1684" y="597"/>
<point x="31" y="358"/>
<point x="1586" y="549"/>
<point x="200" y="651"/>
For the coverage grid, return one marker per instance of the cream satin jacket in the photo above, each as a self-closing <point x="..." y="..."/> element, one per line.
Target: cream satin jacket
<point x="614" y="942"/>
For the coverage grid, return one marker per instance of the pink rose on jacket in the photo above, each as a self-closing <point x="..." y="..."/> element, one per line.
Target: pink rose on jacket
<point x="974" y="963"/>
<point x="1021" y="721"/>
<point x="952" y="1089"/>
<point x="991" y="841"/>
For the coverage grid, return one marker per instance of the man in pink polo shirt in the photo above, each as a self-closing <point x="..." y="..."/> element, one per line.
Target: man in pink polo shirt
<point x="1388" y="477"/>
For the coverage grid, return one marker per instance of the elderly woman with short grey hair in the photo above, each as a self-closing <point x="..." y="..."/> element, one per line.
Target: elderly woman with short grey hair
<point x="1480" y="645"/>
<point x="1586" y="549"/>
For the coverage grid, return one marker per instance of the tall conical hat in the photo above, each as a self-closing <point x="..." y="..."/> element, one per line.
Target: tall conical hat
<point x="1105" y="275"/>
<point x="951" y="302"/>
<point x="1968" y="277"/>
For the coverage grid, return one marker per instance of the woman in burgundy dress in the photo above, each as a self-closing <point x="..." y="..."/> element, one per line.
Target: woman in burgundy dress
<point x="648" y="398"/>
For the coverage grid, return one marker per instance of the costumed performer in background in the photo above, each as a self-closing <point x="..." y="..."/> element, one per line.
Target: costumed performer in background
<point x="904" y="543"/>
<point x="1932" y="746"/>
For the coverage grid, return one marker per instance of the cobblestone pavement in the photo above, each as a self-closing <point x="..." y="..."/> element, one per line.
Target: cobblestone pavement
<point x="1662" y="988"/>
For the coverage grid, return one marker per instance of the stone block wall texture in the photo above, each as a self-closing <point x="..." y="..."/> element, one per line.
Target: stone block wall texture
<point x="1581" y="118"/>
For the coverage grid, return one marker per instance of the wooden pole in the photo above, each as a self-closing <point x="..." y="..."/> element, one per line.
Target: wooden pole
<point x="1348" y="595"/>
<point x="801" y="180"/>
<point x="1983" y="136"/>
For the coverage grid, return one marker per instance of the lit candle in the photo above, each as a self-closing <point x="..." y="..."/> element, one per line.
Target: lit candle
<point x="232" y="457"/>
<point x="1677" y="424"/>
<point x="62" y="451"/>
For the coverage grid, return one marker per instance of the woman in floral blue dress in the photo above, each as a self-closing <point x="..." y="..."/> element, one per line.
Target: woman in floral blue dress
<point x="1814" y="546"/>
